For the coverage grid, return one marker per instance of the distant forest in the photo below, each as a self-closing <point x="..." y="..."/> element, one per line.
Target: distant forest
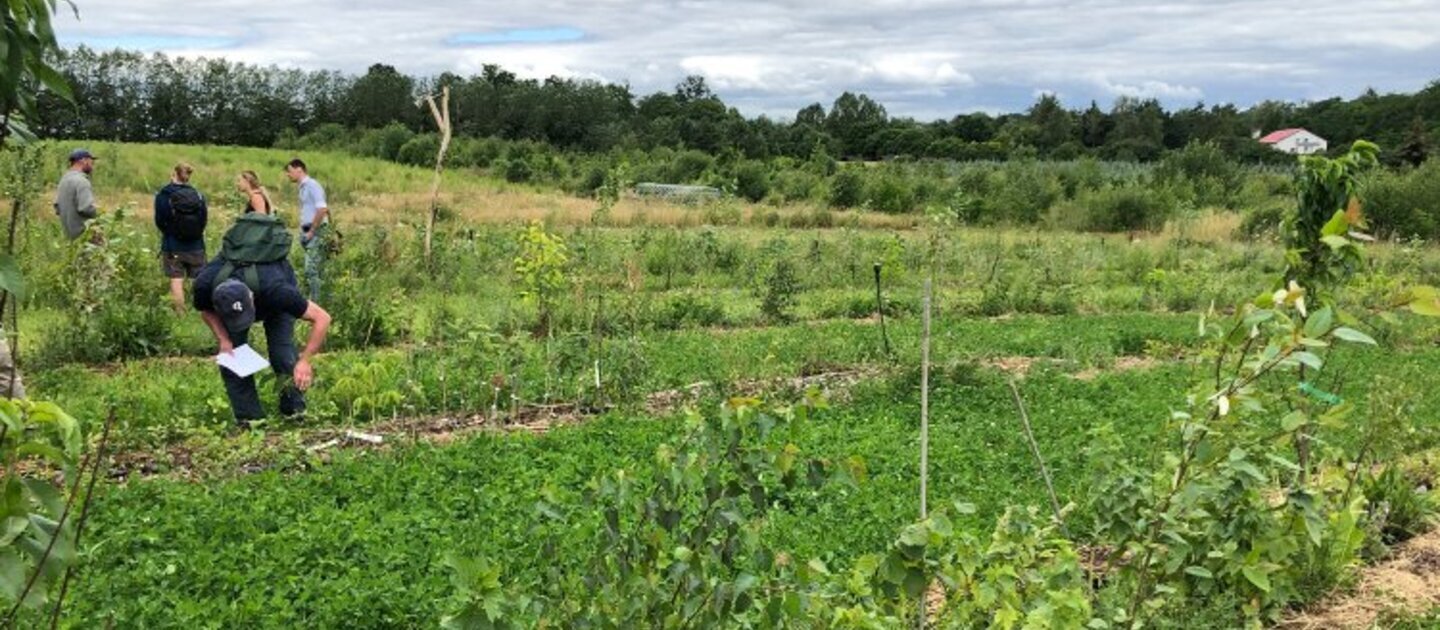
<point x="135" y="97"/>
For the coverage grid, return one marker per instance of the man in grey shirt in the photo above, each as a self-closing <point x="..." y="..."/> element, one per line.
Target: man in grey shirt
<point x="314" y="217"/>
<point x="75" y="200"/>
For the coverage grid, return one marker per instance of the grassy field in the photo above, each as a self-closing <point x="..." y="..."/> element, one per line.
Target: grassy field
<point x="663" y="306"/>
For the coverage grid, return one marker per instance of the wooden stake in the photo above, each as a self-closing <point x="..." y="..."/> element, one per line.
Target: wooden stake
<point x="442" y="120"/>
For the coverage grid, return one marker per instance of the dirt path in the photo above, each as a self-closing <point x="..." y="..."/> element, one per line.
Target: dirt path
<point x="193" y="462"/>
<point x="1406" y="583"/>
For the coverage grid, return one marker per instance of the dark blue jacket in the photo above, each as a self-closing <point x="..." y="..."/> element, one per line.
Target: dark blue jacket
<point x="163" y="217"/>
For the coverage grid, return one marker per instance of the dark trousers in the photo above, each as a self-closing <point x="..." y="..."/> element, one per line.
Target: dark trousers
<point x="244" y="399"/>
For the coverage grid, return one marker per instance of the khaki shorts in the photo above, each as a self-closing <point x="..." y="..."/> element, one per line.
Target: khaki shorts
<point x="181" y="264"/>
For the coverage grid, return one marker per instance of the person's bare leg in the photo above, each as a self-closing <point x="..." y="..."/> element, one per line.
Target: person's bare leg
<point x="177" y="294"/>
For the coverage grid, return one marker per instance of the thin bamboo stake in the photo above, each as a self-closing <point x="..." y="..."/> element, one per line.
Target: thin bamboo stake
<point x="925" y="406"/>
<point x="1035" y="450"/>
<point x="924" y="425"/>
<point x="880" y="310"/>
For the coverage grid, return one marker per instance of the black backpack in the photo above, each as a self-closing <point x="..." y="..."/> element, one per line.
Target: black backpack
<point x="187" y="209"/>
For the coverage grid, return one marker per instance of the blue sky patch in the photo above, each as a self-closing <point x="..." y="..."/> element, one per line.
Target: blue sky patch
<point x="517" y="36"/>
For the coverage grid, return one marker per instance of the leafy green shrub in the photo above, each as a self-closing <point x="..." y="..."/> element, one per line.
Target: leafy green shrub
<point x="752" y="181"/>
<point x="891" y="194"/>
<point x="847" y="188"/>
<point x="385" y="143"/>
<point x="1021" y="193"/>
<point x="687" y="167"/>
<point x="365" y="312"/>
<point x="541" y="267"/>
<point x="793" y="186"/>
<point x="1402" y="204"/>
<point x="111" y="296"/>
<point x="419" y="151"/>
<point x="689" y="310"/>
<point x="862" y="306"/>
<point x="1398" y="503"/>
<point x="698" y="511"/>
<point x="781" y="288"/>
<point x="517" y="171"/>
<point x="1205" y="169"/>
<point x="1120" y="209"/>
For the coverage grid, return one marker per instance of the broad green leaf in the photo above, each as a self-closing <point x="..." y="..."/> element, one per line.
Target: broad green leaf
<point x="1285" y="463"/>
<point x="1335" y="242"/>
<point x="54" y="81"/>
<point x="1319" y="323"/>
<point x="1353" y="336"/>
<point x="1200" y="572"/>
<point x="1338" y="225"/>
<point x="12" y="574"/>
<point x="1292" y="421"/>
<point x="10" y="277"/>
<point x="47" y="495"/>
<point x="1425" y="301"/>
<point x="1258" y="577"/>
<point x="1309" y="359"/>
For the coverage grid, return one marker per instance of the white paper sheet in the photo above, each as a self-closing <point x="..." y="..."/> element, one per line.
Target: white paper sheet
<point x="243" y="362"/>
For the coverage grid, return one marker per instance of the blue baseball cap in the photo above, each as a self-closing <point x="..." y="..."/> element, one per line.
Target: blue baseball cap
<point x="235" y="304"/>
<point x="80" y="154"/>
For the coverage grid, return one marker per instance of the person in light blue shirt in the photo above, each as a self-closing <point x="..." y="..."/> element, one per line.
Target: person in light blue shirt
<point x="314" y="219"/>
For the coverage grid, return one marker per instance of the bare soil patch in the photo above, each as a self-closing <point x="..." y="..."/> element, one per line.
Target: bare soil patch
<point x="1121" y="364"/>
<point x="188" y="461"/>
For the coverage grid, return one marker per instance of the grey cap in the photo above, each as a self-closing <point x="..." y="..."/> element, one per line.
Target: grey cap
<point x="80" y="154"/>
<point x="235" y="304"/>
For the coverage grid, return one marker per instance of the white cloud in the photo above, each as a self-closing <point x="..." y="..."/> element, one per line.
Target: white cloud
<point x="918" y="57"/>
<point x="931" y="69"/>
<point x="1150" y="89"/>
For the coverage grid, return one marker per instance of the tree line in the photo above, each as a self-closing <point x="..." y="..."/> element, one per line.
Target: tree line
<point x="131" y="96"/>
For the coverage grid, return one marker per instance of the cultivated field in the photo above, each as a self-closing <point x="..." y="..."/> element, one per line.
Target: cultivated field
<point x="507" y="403"/>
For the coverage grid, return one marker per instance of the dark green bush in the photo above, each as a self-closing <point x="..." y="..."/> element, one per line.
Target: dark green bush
<point x="517" y="171"/>
<point x="419" y="150"/>
<point x="847" y="188"/>
<point x="1402" y="204"/>
<point x="891" y="194"/>
<point x="689" y="310"/>
<point x="385" y="142"/>
<point x="1121" y="209"/>
<point x="752" y="181"/>
<point x="1399" y="504"/>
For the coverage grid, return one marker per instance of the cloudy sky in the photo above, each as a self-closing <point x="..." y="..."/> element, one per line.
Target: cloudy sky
<point x="922" y="58"/>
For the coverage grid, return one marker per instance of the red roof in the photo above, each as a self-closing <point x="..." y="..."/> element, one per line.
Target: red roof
<point x="1276" y="136"/>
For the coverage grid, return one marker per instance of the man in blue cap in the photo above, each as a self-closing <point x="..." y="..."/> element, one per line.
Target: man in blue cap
<point x="230" y="307"/>
<point x="74" y="199"/>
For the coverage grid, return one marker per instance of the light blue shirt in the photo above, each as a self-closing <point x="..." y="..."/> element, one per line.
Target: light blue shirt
<point x="312" y="198"/>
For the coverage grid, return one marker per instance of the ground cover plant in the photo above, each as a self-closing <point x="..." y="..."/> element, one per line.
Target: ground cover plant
<point x="809" y="515"/>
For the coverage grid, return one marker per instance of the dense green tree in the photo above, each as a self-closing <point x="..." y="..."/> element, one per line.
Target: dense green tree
<point x="1139" y="129"/>
<point x="974" y="127"/>
<point x="1417" y="145"/>
<point x="1054" y="125"/>
<point x="128" y="96"/>
<point x="380" y="97"/>
<point x="1095" y="126"/>
<point x="853" y="120"/>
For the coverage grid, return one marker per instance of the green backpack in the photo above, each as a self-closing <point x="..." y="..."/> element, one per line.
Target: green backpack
<point x="254" y="239"/>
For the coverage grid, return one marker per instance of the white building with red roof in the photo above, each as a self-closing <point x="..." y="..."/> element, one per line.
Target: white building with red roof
<point x="1295" y="141"/>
